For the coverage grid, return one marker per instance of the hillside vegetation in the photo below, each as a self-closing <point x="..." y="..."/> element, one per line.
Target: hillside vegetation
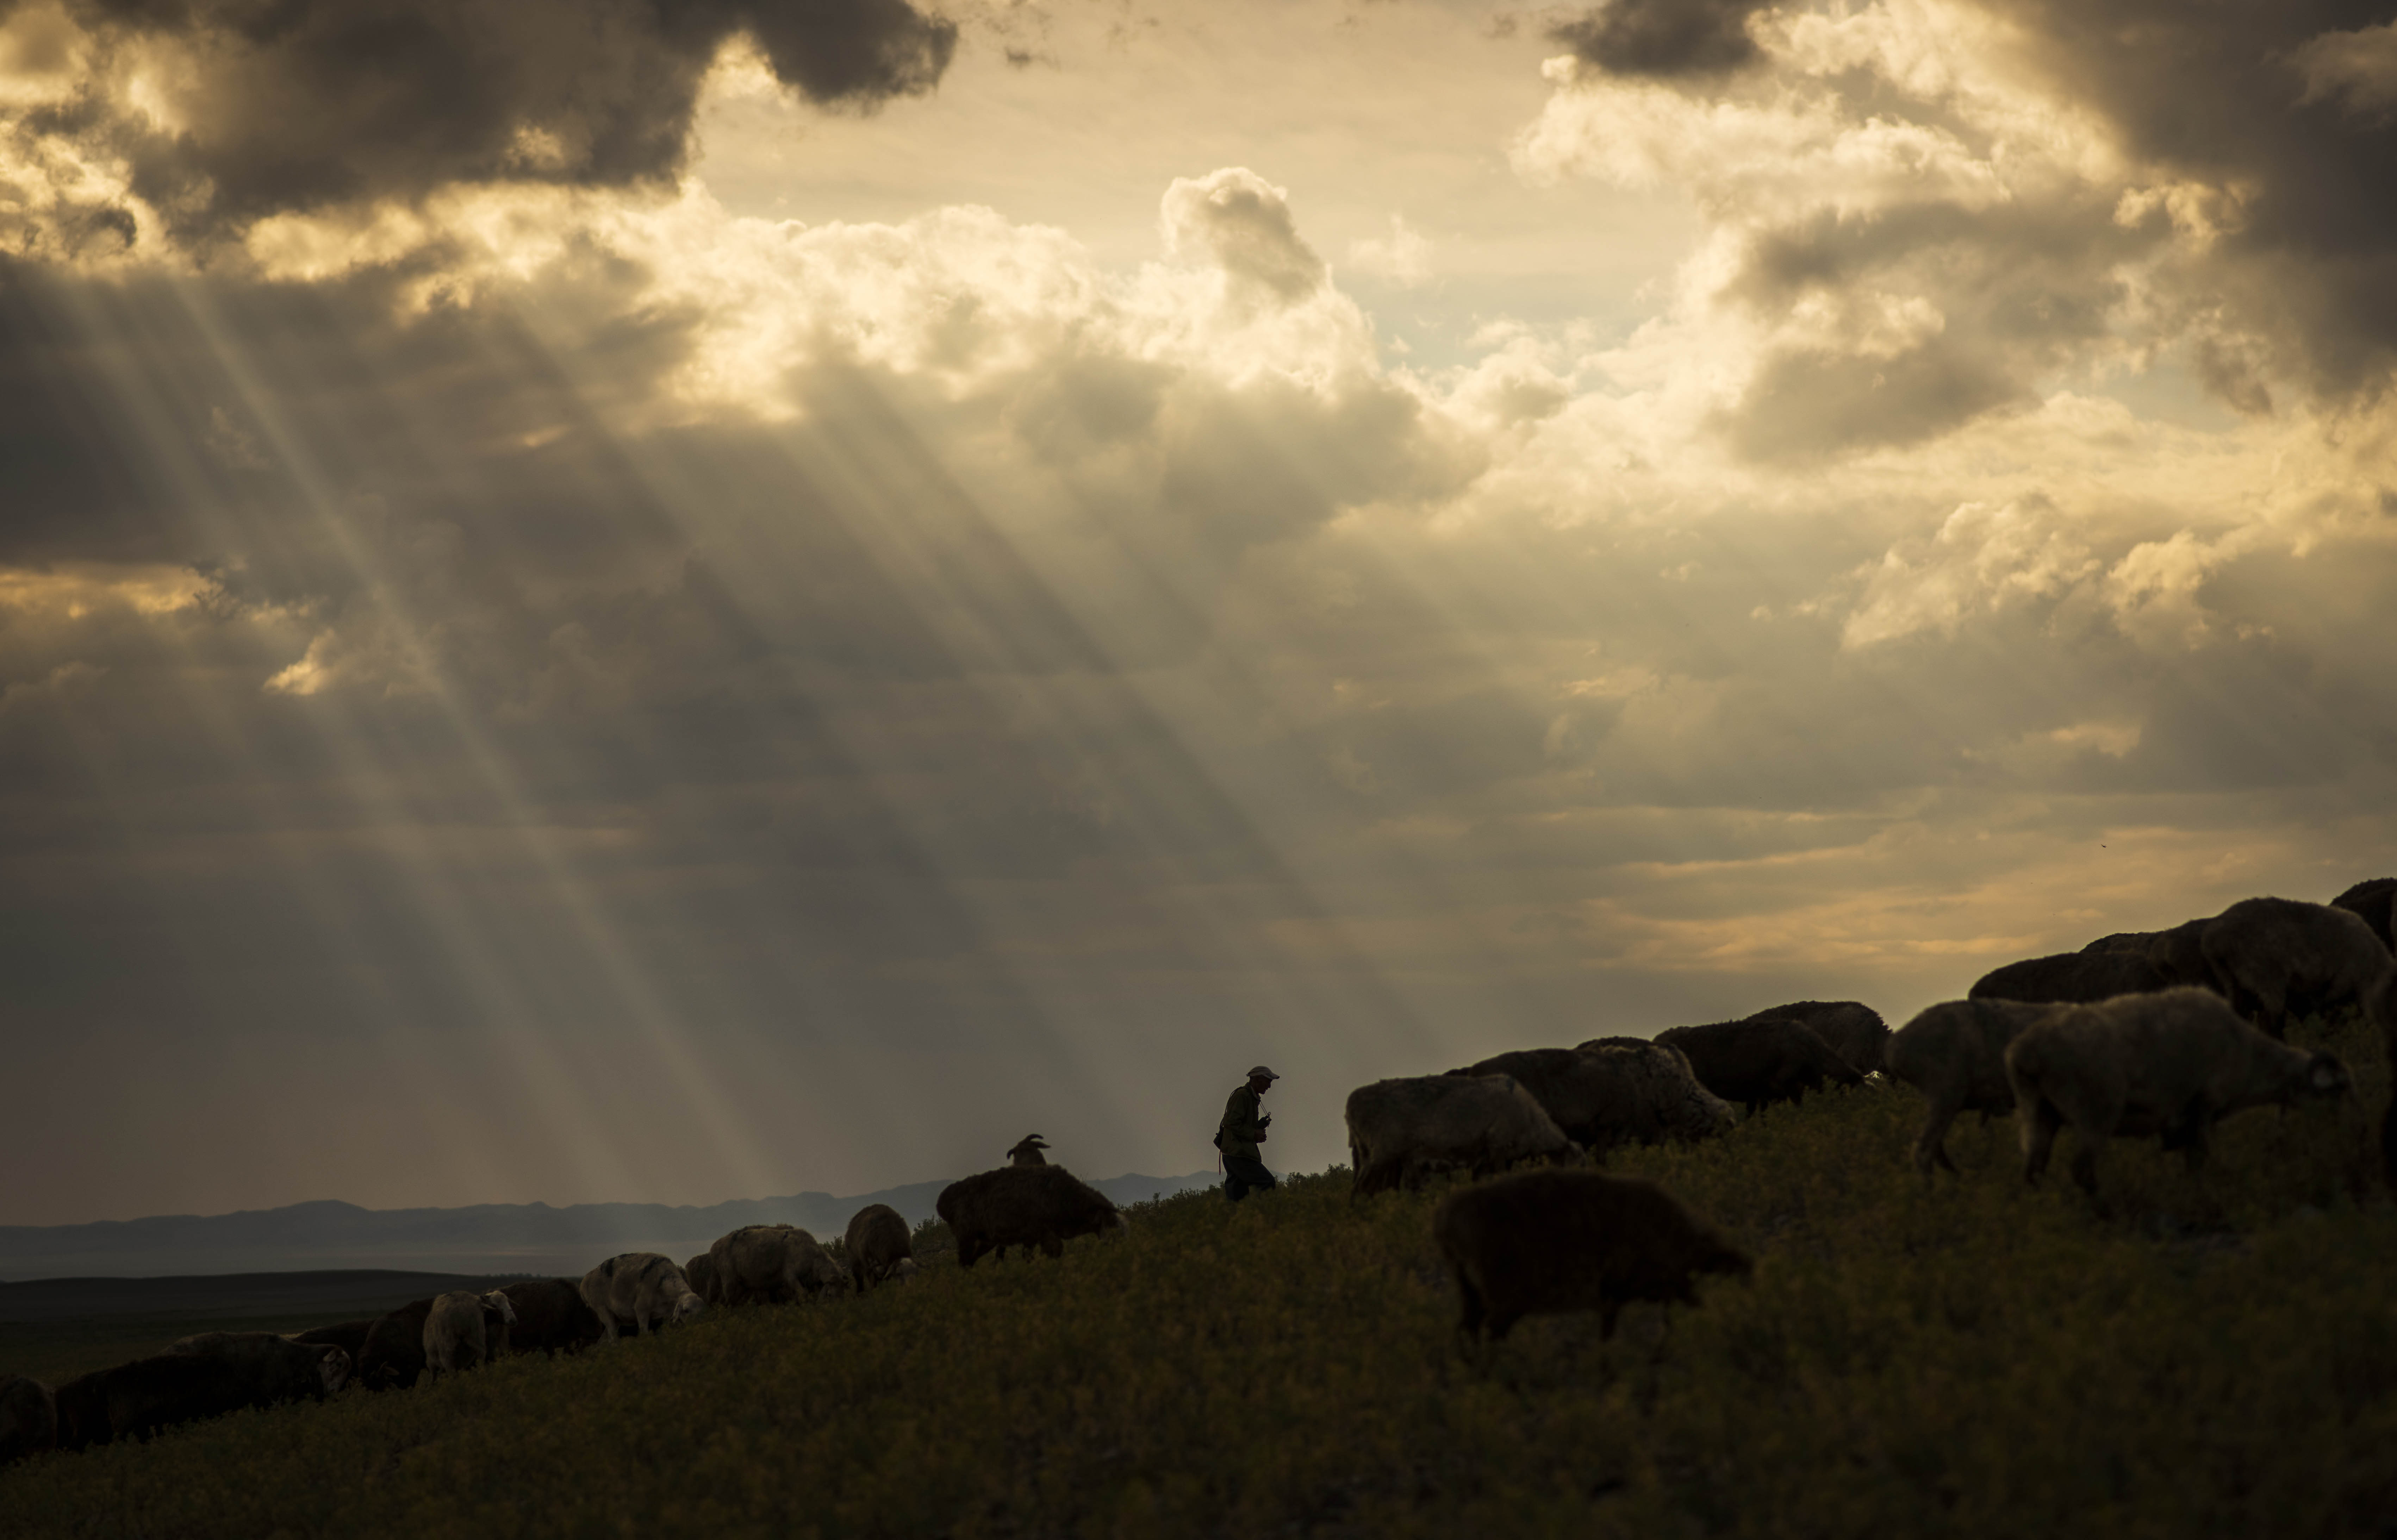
<point x="2206" y="1356"/>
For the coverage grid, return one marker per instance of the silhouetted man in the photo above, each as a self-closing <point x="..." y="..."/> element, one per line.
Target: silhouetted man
<point x="1242" y="1131"/>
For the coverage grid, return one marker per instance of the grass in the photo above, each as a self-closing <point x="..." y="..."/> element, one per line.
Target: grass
<point x="2206" y="1356"/>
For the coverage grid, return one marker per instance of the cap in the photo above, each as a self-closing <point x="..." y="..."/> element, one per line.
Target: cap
<point x="1261" y="1072"/>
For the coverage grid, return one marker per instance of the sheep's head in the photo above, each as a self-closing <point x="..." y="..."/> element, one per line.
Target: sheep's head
<point x="900" y="1270"/>
<point x="334" y="1368"/>
<point x="689" y="1307"/>
<point x="500" y="1302"/>
<point x="2326" y="1076"/>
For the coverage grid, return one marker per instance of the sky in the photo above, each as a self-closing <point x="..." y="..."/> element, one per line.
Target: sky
<point x="604" y="600"/>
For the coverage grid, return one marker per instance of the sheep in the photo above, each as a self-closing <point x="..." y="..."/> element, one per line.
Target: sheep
<point x="772" y="1265"/>
<point x="1026" y="1152"/>
<point x="2280" y="959"/>
<point x="1955" y="1053"/>
<point x="208" y="1375"/>
<point x="880" y="1249"/>
<point x="641" y="1289"/>
<point x="1607" y="1097"/>
<point x="550" y="1318"/>
<point x="271" y="1368"/>
<point x="2124" y="941"/>
<point x="700" y="1272"/>
<point x="2168" y="1065"/>
<point x="29" y="1417"/>
<point x="393" y="1358"/>
<point x="1023" y="1206"/>
<point x="1760" y="1060"/>
<point x="2071" y="977"/>
<point x="350" y="1337"/>
<point x="1401" y="1131"/>
<point x="2375" y="902"/>
<point x="2381" y="1004"/>
<point x="2179" y="955"/>
<point x="466" y="1330"/>
<point x="1541" y="1242"/>
<point x="1854" y="1030"/>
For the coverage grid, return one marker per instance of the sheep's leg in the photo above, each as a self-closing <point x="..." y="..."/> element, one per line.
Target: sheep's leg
<point x="1931" y="1144"/>
<point x="2039" y="1123"/>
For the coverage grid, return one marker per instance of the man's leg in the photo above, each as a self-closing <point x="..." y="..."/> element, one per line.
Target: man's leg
<point x="1243" y="1175"/>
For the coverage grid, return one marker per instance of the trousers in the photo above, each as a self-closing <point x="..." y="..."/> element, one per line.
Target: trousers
<point x="1244" y="1175"/>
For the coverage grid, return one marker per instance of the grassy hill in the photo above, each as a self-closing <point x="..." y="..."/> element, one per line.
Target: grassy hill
<point x="2216" y="1356"/>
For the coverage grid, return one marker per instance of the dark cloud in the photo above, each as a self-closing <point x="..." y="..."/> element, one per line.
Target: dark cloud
<point x="293" y="104"/>
<point x="2222" y="94"/>
<point x="1662" y="37"/>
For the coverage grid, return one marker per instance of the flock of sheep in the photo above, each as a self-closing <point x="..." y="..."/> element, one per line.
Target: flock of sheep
<point x="1026" y="1204"/>
<point x="2155" y="1034"/>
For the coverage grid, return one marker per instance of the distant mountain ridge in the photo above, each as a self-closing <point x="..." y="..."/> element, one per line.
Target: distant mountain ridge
<point x="480" y="1237"/>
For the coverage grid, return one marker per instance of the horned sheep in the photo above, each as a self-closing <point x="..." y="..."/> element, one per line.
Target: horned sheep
<point x="1025" y="1206"/>
<point x="2168" y="1066"/>
<point x="1855" y="1030"/>
<point x="1026" y="1150"/>
<point x="2281" y="960"/>
<point x="466" y="1330"/>
<point x="1552" y="1240"/>
<point x="1606" y="1096"/>
<point x="1401" y="1131"/>
<point x="641" y="1289"/>
<point x="772" y="1265"/>
<point x="879" y="1246"/>
<point x="1955" y="1053"/>
<point x="1760" y="1060"/>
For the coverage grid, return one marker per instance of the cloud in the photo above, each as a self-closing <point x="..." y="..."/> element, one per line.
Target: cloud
<point x="2356" y="69"/>
<point x="1402" y="258"/>
<point x="213" y="115"/>
<point x="1662" y="37"/>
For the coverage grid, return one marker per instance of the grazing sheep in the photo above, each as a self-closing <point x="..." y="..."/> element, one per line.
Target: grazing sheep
<point x="2167" y="1065"/>
<point x="466" y="1330"/>
<point x="2179" y="955"/>
<point x="29" y="1417"/>
<point x="879" y="1246"/>
<point x="394" y="1356"/>
<point x="2071" y="977"/>
<point x="1760" y="1060"/>
<point x="642" y="1290"/>
<point x="2381" y="1002"/>
<point x="1542" y="1242"/>
<point x="1401" y="1131"/>
<point x="1608" y="1097"/>
<point x="208" y="1375"/>
<point x="700" y="1272"/>
<point x="1854" y="1030"/>
<point x="772" y="1265"/>
<point x="350" y="1337"/>
<point x="1025" y="1206"/>
<point x="2124" y="941"/>
<point x="1955" y="1053"/>
<point x="2279" y="961"/>
<point x="1026" y="1152"/>
<point x="2375" y="902"/>
<point x="550" y="1318"/>
<point x="271" y="1368"/>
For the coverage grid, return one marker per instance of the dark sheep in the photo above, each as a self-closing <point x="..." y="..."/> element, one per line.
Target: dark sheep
<point x="2071" y="978"/>
<point x="2382" y="1005"/>
<point x="1025" y="1206"/>
<point x="1761" y="1061"/>
<point x="29" y="1417"/>
<point x="393" y="1358"/>
<point x="138" y="1399"/>
<point x="1541" y="1242"/>
<point x="2279" y="961"/>
<point x="2179" y="955"/>
<point x="1605" y="1098"/>
<point x="2166" y="1066"/>
<point x="350" y="1337"/>
<point x="701" y="1271"/>
<point x="2375" y="902"/>
<point x="880" y="1248"/>
<point x="1854" y="1030"/>
<point x="266" y="1368"/>
<point x="1402" y="1130"/>
<point x="2124" y="941"/>
<point x="1955" y="1053"/>
<point x="551" y="1317"/>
